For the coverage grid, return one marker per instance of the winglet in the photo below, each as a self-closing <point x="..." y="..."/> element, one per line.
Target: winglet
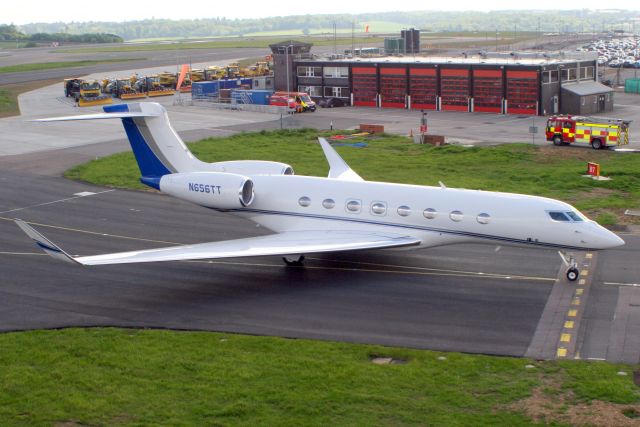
<point x="45" y="244"/>
<point x="338" y="168"/>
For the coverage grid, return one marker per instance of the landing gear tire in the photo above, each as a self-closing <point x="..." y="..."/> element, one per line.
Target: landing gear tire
<point x="572" y="274"/>
<point x="293" y="261"/>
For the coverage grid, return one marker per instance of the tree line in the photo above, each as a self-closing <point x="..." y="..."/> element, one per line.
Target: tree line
<point x="12" y="33"/>
<point x="583" y="20"/>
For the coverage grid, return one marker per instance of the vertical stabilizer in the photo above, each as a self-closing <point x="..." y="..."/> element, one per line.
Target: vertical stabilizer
<point x="158" y="149"/>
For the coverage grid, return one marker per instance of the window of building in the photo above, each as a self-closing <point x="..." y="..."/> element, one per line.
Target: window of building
<point x="336" y="72"/>
<point x="550" y="76"/>
<point x="569" y="74"/>
<point x="336" y="92"/>
<point x="311" y="90"/>
<point x="307" y="71"/>
<point x="590" y="72"/>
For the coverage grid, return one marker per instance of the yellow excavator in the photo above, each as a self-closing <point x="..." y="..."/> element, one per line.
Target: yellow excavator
<point x="85" y="92"/>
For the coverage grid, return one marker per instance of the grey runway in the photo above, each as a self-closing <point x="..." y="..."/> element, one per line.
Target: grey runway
<point x="462" y="298"/>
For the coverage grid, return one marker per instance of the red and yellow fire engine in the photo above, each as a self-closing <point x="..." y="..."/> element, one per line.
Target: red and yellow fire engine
<point x="599" y="132"/>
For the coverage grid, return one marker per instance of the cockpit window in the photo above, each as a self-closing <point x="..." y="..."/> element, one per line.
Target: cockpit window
<point x="558" y="216"/>
<point x="574" y="216"/>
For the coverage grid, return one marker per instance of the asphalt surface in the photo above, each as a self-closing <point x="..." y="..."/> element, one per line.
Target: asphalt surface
<point x="434" y="299"/>
<point x="139" y="60"/>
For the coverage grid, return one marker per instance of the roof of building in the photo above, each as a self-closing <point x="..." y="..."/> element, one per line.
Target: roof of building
<point x="504" y="59"/>
<point x="586" y="88"/>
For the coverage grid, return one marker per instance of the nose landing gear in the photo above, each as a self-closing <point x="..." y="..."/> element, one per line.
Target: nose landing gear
<point x="293" y="260"/>
<point x="572" y="266"/>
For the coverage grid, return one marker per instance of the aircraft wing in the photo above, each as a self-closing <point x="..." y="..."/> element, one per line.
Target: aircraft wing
<point x="287" y="243"/>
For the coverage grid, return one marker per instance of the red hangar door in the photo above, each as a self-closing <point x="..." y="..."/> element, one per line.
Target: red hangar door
<point x="393" y="87"/>
<point x="522" y="92"/>
<point x="423" y="88"/>
<point x="487" y="91"/>
<point x="454" y="89"/>
<point x="365" y="86"/>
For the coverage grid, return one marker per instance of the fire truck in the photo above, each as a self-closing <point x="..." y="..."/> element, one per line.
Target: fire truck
<point x="599" y="132"/>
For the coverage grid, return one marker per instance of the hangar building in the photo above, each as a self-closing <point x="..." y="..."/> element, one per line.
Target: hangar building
<point x="515" y="83"/>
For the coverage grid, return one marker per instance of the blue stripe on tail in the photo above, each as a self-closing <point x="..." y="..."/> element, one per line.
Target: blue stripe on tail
<point x="151" y="168"/>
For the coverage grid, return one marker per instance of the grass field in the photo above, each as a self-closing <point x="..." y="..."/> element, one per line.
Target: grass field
<point x="143" y="377"/>
<point x="520" y="168"/>
<point x="219" y="44"/>
<point x="66" y="64"/>
<point x="9" y="95"/>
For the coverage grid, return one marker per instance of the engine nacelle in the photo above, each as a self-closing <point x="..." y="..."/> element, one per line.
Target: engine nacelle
<point x="216" y="190"/>
<point x="254" y="167"/>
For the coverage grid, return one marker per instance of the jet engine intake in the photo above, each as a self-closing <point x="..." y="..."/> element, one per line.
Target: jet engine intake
<point x="216" y="190"/>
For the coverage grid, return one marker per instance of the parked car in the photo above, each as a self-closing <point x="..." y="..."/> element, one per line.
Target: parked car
<point x="332" y="102"/>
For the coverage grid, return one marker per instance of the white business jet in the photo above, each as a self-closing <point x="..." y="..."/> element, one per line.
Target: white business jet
<point x="342" y="212"/>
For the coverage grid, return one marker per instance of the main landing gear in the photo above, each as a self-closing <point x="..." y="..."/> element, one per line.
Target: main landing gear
<point x="572" y="266"/>
<point x="293" y="260"/>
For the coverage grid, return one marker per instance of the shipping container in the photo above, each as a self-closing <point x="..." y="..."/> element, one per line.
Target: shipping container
<point x="234" y="83"/>
<point x="259" y="97"/>
<point x="394" y="46"/>
<point x="632" y="86"/>
<point x="205" y="89"/>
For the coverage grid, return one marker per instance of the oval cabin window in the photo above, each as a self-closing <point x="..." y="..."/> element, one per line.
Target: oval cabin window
<point x="483" y="218"/>
<point x="430" y="213"/>
<point x="404" y="210"/>
<point x="304" y="201"/>
<point x="456" y="216"/>
<point x="378" y="208"/>
<point x="328" y="203"/>
<point x="353" y="206"/>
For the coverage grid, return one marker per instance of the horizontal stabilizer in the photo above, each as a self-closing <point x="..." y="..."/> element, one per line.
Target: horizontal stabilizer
<point x="287" y="243"/>
<point x="98" y="116"/>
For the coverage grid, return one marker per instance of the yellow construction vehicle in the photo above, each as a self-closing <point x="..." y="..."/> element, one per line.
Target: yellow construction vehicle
<point x="258" y="69"/>
<point x="168" y="79"/>
<point x="197" y="75"/>
<point x="214" y="72"/>
<point x="152" y="86"/>
<point x="85" y="92"/>
<point x="233" y="71"/>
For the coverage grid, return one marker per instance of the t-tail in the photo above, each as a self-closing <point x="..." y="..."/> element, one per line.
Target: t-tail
<point x="160" y="151"/>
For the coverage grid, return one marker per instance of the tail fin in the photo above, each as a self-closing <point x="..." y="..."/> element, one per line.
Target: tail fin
<point x="158" y="149"/>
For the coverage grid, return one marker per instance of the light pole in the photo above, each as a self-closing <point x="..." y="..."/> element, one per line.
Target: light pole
<point x="288" y="65"/>
<point x="560" y="69"/>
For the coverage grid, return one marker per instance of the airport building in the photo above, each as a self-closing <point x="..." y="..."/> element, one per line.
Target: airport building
<point x="507" y="83"/>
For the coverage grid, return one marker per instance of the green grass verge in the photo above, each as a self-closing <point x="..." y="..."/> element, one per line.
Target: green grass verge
<point x="519" y="168"/>
<point x="65" y="64"/>
<point x="143" y="377"/>
<point x="220" y="44"/>
<point x="9" y="95"/>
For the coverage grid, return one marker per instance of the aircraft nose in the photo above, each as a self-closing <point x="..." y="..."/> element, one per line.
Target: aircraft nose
<point x="609" y="239"/>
